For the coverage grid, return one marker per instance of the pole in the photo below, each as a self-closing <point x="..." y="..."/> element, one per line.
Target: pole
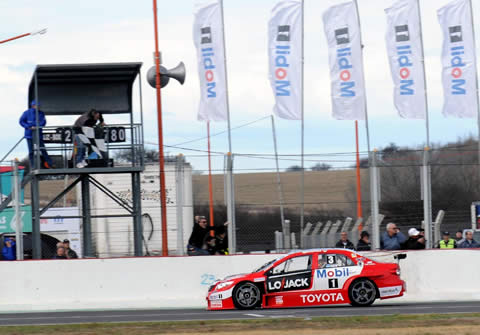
<point x="476" y="86"/>
<point x="18" y="214"/>
<point x="230" y="206"/>
<point x="279" y="184"/>
<point x="375" y="195"/>
<point x="163" y="196"/>
<point x="359" y="186"/>
<point x="302" y="182"/>
<point x="427" y="187"/>
<point x="14" y="38"/>
<point x="374" y="207"/>
<point x="180" y="204"/>
<point x="210" y="183"/>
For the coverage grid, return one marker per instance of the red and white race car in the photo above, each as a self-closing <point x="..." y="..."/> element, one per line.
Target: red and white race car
<point x="309" y="278"/>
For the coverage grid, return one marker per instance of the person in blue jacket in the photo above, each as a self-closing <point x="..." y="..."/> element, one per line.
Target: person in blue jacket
<point x="8" y="251"/>
<point x="27" y="121"/>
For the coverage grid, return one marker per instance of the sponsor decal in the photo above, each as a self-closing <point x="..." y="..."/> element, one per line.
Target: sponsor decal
<point x="344" y="55"/>
<point x="208" y="61"/>
<point x="279" y="300"/>
<point x="390" y="291"/>
<point x="404" y="59"/>
<point x="295" y="282"/>
<point x="216" y="304"/>
<point x="333" y="273"/>
<point x="321" y="297"/>
<point x="216" y="296"/>
<point x="457" y="50"/>
<point x="333" y="283"/>
<point x="282" y="52"/>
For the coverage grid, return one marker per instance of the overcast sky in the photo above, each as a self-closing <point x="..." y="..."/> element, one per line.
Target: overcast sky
<point x="120" y="30"/>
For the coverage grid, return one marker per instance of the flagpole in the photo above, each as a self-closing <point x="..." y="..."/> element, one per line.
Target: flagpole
<point x="302" y="182"/>
<point x="279" y="183"/>
<point x="427" y="188"/>
<point x="230" y="196"/>
<point x="476" y="83"/>
<point x="372" y="161"/>
<point x="359" y="186"/>
<point x="210" y="183"/>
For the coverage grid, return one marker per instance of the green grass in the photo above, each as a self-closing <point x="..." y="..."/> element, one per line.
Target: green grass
<point x="234" y="326"/>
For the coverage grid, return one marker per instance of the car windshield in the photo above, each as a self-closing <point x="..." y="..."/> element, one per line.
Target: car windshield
<point x="266" y="265"/>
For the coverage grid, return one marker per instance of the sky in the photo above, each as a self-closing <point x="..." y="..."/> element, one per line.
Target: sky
<point x="92" y="31"/>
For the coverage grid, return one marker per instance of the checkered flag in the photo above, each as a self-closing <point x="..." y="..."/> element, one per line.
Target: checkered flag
<point x="94" y="140"/>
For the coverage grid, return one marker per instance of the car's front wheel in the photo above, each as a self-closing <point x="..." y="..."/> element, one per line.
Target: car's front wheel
<point x="246" y="296"/>
<point x="362" y="292"/>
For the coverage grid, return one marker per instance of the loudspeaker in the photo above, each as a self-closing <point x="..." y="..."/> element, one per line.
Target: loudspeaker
<point x="178" y="73"/>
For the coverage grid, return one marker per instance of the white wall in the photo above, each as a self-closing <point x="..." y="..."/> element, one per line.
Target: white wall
<point x="174" y="282"/>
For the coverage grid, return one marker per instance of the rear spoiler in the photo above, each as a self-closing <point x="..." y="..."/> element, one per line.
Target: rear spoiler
<point x="399" y="257"/>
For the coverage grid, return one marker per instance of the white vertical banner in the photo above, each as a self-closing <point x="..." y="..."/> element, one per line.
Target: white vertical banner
<point x="285" y="58"/>
<point x="458" y="60"/>
<point x="208" y="38"/>
<point x="342" y="30"/>
<point x="405" y="53"/>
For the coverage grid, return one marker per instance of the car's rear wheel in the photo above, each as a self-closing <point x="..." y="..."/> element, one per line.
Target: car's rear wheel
<point x="362" y="292"/>
<point x="246" y="295"/>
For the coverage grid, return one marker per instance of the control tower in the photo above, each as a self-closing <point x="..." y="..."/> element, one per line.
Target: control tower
<point x="64" y="92"/>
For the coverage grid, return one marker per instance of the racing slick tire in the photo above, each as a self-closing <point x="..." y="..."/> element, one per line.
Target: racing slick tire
<point x="362" y="292"/>
<point x="246" y="295"/>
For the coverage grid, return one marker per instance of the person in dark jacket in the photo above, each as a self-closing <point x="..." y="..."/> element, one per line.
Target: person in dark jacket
<point x="469" y="241"/>
<point x="196" y="241"/>
<point x="221" y="238"/>
<point x="9" y="249"/>
<point x="91" y="119"/>
<point x="71" y="254"/>
<point x="415" y="241"/>
<point x="364" y="242"/>
<point x="344" y="243"/>
<point x="28" y="122"/>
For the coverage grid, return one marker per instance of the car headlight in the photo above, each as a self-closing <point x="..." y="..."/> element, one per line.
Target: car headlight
<point x="224" y="284"/>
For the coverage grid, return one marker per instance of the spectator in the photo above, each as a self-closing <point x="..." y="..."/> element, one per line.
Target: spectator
<point x="61" y="254"/>
<point x="210" y="244"/>
<point x="447" y="242"/>
<point x="197" y="238"/>
<point x="9" y="251"/>
<point x="364" y="242"/>
<point x="393" y="238"/>
<point x="71" y="254"/>
<point x="344" y="243"/>
<point x="221" y="240"/>
<point x="459" y="237"/>
<point x="415" y="240"/>
<point x="469" y="241"/>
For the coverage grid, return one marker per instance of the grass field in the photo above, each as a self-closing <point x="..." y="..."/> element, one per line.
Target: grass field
<point x="321" y="187"/>
<point x="431" y="324"/>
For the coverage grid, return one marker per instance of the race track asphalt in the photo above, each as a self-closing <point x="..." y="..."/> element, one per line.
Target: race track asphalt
<point x="201" y="314"/>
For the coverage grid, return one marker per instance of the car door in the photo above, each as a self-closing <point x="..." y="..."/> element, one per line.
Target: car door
<point x="333" y="270"/>
<point x="294" y="274"/>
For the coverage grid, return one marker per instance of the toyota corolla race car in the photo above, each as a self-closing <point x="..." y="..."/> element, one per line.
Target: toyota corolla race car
<point x="309" y="278"/>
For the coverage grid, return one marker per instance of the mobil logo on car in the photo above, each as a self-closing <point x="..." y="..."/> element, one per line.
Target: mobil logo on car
<point x="344" y="62"/>
<point x="208" y="54"/>
<point x="404" y="59"/>
<point x="333" y="273"/>
<point x="457" y="50"/>
<point x="282" y="62"/>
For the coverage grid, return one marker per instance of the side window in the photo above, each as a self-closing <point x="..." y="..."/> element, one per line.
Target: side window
<point x="333" y="261"/>
<point x="300" y="263"/>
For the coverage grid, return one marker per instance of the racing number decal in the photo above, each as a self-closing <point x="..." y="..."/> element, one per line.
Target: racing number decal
<point x="333" y="283"/>
<point x="331" y="259"/>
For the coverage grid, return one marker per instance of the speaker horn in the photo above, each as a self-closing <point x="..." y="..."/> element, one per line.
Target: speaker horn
<point x="178" y="73"/>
